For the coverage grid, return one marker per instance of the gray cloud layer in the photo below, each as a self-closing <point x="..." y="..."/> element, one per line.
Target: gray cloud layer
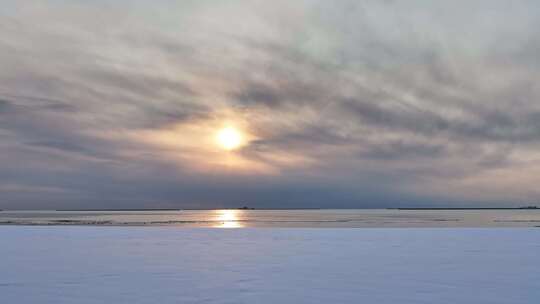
<point x="351" y="103"/>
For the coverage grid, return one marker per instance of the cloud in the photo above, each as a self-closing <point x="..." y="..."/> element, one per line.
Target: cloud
<point x="350" y="104"/>
<point x="401" y="150"/>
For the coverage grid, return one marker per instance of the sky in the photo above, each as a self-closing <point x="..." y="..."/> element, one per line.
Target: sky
<point x="339" y="104"/>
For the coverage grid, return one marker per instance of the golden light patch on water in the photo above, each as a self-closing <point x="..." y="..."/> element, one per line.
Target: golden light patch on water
<point x="228" y="219"/>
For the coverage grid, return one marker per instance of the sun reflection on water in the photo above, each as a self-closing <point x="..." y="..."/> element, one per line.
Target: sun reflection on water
<point x="228" y="219"/>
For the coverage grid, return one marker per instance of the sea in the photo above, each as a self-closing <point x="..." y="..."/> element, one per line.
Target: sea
<point x="312" y="218"/>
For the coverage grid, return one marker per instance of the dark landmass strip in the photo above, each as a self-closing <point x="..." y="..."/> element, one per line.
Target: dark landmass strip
<point x="249" y="208"/>
<point x="96" y="210"/>
<point x="472" y="208"/>
<point x="185" y="209"/>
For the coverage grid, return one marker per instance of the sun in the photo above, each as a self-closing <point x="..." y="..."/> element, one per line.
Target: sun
<point x="229" y="138"/>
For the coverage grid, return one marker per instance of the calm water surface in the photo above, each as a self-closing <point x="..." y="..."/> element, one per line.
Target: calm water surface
<point x="280" y="218"/>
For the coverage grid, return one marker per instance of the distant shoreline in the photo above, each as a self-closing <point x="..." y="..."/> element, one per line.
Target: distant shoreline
<point x="284" y="209"/>
<point x="186" y="209"/>
<point x="475" y="208"/>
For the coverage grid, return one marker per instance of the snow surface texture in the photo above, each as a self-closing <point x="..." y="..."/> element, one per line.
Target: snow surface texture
<point x="172" y="265"/>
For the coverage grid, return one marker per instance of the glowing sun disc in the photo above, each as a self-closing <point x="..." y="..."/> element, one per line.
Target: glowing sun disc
<point x="229" y="138"/>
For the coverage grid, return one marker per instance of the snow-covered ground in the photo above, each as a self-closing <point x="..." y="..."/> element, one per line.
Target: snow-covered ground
<point x="175" y="265"/>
